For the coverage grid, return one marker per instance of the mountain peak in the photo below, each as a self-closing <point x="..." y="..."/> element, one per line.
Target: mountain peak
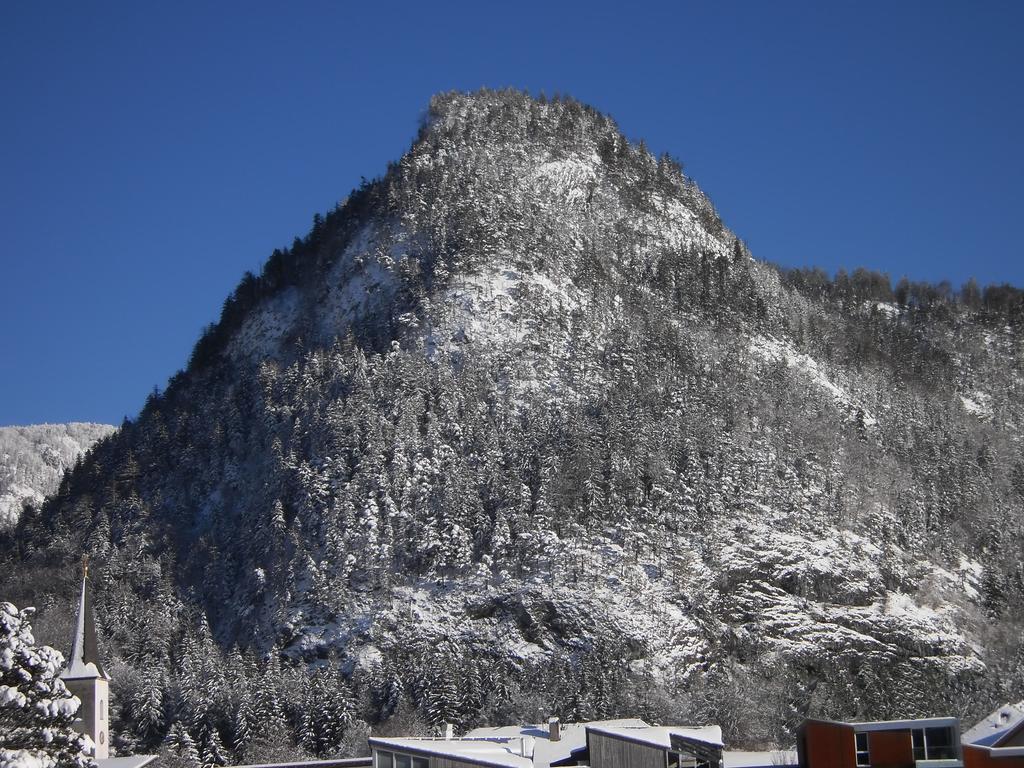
<point x="522" y="407"/>
<point x="510" y="113"/>
<point x="496" y="183"/>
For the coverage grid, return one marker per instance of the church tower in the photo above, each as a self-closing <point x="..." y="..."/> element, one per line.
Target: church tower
<point x="85" y="678"/>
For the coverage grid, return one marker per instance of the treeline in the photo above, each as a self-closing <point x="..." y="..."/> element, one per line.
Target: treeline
<point x="285" y="267"/>
<point x="923" y="300"/>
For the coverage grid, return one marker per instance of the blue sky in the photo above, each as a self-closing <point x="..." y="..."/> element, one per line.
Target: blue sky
<point x="150" y="153"/>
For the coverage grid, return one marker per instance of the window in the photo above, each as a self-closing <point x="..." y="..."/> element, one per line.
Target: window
<point x="917" y="738"/>
<point x="385" y="759"/>
<point x="933" y="744"/>
<point x="684" y="760"/>
<point x="939" y="744"/>
<point x="863" y="755"/>
<point x="101" y="710"/>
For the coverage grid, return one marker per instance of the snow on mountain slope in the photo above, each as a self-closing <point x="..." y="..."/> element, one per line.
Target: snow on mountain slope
<point x="775" y="350"/>
<point x="524" y="410"/>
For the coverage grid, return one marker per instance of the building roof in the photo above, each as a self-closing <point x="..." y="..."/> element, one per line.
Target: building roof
<point x="661" y="736"/>
<point x="996" y="752"/>
<point x="501" y="752"/>
<point x="84" y="659"/>
<point x="572" y="738"/>
<point x="132" y="761"/>
<point x="898" y="725"/>
<point x="345" y="762"/>
<point x="504" y="746"/>
<point x="777" y="759"/>
<point x="996" y="726"/>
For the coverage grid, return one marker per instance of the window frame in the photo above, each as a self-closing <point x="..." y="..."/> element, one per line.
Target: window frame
<point x="919" y="743"/>
<point x="862" y="753"/>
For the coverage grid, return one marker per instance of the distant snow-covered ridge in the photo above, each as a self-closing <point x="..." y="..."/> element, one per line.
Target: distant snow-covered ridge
<point x="33" y="460"/>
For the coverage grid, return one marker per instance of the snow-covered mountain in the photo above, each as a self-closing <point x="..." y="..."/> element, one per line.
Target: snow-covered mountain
<point x="522" y="429"/>
<point x="33" y="460"/>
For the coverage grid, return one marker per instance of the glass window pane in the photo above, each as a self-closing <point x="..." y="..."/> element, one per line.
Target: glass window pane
<point x="385" y="759"/>
<point x="420" y="762"/>
<point x="402" y="761"/>
<point x="940" y="744"/>
<point x="939" y="737"/>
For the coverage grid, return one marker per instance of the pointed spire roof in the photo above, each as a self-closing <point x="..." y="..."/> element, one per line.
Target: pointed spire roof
<point x="84" y="660"/>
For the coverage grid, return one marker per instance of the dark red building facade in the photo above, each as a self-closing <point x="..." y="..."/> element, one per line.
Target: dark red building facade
<point x="931" y="742"/>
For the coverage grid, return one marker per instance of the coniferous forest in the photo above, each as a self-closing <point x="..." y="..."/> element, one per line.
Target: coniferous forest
<point x="522" y="429"/>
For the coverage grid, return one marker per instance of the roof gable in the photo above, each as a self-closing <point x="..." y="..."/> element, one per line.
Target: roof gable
<point x="997" y="727"/>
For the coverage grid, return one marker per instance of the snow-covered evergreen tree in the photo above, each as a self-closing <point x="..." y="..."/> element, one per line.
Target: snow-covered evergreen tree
<point x="36" y="709"/>
<point x="179" y="748"/>
<point x="328" y="711"/>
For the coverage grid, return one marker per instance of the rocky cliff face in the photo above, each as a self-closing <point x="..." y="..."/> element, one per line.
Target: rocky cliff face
<point x="522" y="422"/>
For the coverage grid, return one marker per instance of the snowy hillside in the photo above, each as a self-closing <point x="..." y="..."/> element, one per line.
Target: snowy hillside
<point x="33" y="460"/>
<point x="522" y="429"/>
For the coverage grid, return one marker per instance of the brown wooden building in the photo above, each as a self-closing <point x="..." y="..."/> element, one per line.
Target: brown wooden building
<point x="998" y="740"/>
<point x="925" y="743"/>
<point x="978" y="756"/>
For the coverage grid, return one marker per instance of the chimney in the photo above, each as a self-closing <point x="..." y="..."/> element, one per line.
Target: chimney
<point x="526" y="747"/>
<point x="554" y="729"/>
<point x="449" y="731"/>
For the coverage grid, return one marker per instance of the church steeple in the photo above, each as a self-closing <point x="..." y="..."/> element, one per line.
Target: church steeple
<point x="84" y="661"/>
<point x="84" y="675"/>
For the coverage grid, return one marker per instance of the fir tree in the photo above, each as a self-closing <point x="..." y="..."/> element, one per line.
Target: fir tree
<point x="36" y="709"/>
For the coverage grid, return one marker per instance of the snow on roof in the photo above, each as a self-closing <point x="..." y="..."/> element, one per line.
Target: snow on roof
<point x="902" y="725"/>
<point x="502" y="752"/>
<point x="778" y="759"/>
<point x="994" y="726"/>
<point x="661" y="736"/>
<point x="133" y="761"/>
<point x="345" y="762"/>
<point x="502" y="746"/>
<point x="573" y="737"/>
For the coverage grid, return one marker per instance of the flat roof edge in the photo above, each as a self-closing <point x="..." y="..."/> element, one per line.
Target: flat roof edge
<point x="998" y="751"/>
<point x="898" y="725"/>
